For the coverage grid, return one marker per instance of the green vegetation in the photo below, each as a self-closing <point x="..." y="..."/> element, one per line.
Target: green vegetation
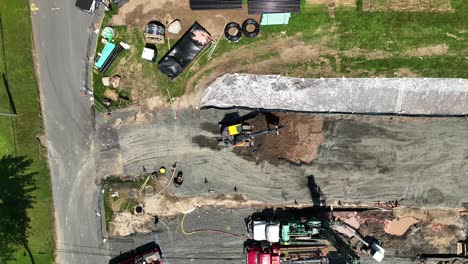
<point x="18" y="134"/>
<point x="125" y="204"/>
<point x="410" y="44"/>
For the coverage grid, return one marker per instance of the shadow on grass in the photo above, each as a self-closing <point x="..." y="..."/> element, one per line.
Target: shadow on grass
<point x="16" y="198"/>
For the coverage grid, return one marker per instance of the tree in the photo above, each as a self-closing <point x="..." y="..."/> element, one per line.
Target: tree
<point x="16" y="186"/>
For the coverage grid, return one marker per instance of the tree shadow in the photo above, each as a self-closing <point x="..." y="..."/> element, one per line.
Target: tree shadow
<point x="16" y="198"/>
<point x="10" y="98"/>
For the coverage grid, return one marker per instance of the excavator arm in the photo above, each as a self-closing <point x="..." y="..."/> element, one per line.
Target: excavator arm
<point x="350" y="256"/>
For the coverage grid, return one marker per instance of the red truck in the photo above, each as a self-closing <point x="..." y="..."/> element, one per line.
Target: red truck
<point x="263" y="255"/>
<point x="281" y="254"/>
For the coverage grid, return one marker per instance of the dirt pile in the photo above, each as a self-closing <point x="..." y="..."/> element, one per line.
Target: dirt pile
<point x="168" y="206"/>
<point x="126" y="223"/>
<point x="298" y="141"/>
<point x="430" y="230"/>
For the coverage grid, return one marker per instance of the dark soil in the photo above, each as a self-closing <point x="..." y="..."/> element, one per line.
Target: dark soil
<point x="419" y="239"/>
<point x="300" y="136"/>
<point x="207" y="142"/>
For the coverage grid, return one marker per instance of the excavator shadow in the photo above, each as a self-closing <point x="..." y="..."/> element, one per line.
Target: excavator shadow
<point x="318" y="197"/>
<point x="234" y="118"/>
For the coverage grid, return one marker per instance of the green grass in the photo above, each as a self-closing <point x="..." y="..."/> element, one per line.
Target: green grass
<point x="391" y="32"/>
<point x="398" y="31"/>
<point x="438" y="67"/>
<point x="115" y="183"/>
<point x="20" y="132"/>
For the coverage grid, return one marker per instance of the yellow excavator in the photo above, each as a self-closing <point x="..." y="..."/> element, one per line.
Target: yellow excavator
<point x="235" y="132"/>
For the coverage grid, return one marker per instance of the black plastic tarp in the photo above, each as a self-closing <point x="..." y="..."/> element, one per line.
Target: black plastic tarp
<point x="273" y="6"/>
<point x="215" y="4"/>
<point x="84" y="4"/>
<point x="194" y="40"/>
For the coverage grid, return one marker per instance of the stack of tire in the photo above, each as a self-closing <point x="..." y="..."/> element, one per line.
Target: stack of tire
<point x="234" y="37"/>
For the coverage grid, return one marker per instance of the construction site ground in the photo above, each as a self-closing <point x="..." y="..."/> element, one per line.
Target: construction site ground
<point x="419" y="161"/>
<point x="211" y="247"/>
<point x="349" y="159"/>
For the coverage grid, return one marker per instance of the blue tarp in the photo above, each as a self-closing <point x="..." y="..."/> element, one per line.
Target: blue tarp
<point x="106" y="51"/>
<point x="275" y="19"/>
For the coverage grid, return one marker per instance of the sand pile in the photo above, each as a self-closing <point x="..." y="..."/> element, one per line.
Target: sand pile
<point x="298" y="140"/>
<point x="125" y="224"/>
<point x="167" y="206"/>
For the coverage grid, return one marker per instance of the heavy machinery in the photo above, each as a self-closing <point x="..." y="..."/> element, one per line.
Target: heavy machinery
<point x="461" y="253"/>
<point x="236" y="132"/>
<point x="277" y="254"/>
<point x="303" y="240"/>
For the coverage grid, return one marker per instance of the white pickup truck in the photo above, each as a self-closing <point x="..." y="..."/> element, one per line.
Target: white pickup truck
<point x="266" y="231"/>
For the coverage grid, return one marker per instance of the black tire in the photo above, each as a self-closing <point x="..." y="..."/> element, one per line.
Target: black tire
<point x="250" y="34"/>
<point x="237" y="36"/>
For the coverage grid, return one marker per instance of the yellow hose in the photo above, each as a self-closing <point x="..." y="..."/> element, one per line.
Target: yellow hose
<point x="184" y="210"/>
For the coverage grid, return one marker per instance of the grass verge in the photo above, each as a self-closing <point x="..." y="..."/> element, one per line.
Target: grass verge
<point x="121" y="186"/>
<point x="18" y="135"/>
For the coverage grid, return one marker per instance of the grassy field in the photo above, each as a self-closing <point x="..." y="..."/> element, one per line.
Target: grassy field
<point x="413" y="44"/>
<point x="18" y="134"/>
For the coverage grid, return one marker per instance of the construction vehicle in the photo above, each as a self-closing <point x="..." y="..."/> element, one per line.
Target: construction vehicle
<point x="462" y="248"/>
<point x="311" y="237"/>
<point x="236" y="132"/>
<point x="461" y="253"/>
<point x="277" y="254"/>
<point x="146" y="254"/>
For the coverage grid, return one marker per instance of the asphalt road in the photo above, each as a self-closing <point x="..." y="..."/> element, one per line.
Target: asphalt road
<point x="60" y="37"/>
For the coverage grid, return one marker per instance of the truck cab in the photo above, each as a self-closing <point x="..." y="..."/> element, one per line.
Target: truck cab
<point x="266" y="231"/>
<point x="262" y="255"/>
<point x="86" y="5"/>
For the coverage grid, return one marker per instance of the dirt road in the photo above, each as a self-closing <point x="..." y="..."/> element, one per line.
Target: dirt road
<point x="419" y="161"/>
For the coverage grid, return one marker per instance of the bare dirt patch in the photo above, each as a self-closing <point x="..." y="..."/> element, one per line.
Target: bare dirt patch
<point x="139" y="118"/>
<point x="125" y="224"/>
<point x="297" y="53"/>
<point x="168" y="206"/>
<point x="369" y="54"/>
<point x="405" y="72"/>
<point x="138" y="13"/>
<point x="298" y="140"/>
<point x="421" y="237"/>
<point x="429" y="51"/>
<point x="408" y="5"/>
<point x="155" y="102"/>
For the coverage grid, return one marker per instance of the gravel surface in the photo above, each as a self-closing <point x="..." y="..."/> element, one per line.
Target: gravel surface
<point x="419" y="161"/>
